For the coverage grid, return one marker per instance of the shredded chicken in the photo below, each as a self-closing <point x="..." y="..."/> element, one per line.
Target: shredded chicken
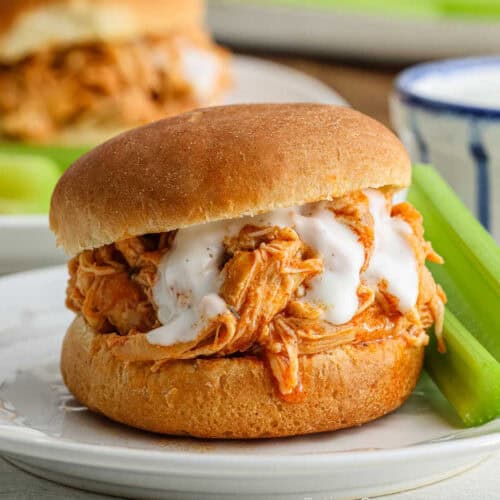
<point x="263" y="283"/>
<point x="103" y="84"/>
<point x="111" y="286"/>
<point x="431" y="297"/>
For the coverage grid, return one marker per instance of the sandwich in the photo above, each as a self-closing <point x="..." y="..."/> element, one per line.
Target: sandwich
<point x="243" y="272"/>
<point x="80" y="71"/>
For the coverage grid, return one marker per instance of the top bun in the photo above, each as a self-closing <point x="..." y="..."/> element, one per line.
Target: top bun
<point x="220" y="163"/>
<point x="28" y="26"/>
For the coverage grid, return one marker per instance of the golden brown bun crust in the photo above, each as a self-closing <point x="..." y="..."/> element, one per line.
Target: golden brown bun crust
<point x="235" y="397"/>
<point x="220" y="163"/>
<point x="28" y="26"/>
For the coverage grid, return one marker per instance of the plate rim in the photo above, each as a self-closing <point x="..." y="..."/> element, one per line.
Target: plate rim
<point x="23" y="221"/>
<point x="331" y="95"/>
<point x="30" y="442"/>
<point x="35" y="444"/>
<point x="411" y="48"/>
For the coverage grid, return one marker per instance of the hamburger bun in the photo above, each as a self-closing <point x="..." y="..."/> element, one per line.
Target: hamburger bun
<point x="348" y="386"/>
<point x="219" y="163"/>
<point x="28" y="26"/>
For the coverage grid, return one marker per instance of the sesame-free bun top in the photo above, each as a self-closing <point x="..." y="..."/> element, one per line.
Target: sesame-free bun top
<point x="220" y="163"/>
<point x="28" y="26"/>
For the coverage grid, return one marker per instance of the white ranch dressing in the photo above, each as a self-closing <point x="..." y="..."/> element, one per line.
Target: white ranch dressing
<point x="186" y="288"/>
<point x="186" y="292"/>
<point x="335" y="289"/>
<point x="393" y="258"/>
<point x="201" y="68"/>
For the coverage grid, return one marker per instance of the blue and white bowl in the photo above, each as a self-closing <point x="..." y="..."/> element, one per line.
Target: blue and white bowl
<point x="448" y="113"/>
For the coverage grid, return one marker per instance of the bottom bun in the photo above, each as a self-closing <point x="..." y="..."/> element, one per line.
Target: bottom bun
<point x="236" y="397"/>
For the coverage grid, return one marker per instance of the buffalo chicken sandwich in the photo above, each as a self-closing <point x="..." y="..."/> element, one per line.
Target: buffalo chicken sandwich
<point x="243" y="272"/>
<point x="79" y="71"/>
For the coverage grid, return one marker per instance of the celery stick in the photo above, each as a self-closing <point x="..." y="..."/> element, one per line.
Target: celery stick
<point x="64" y="156"/>
<point x="471" y="273"/>
<point x="26" y="183"/>
<point x="467" y="374"/>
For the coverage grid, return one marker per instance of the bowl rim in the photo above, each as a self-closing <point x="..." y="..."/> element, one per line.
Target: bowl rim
<point x="405" y="79"/>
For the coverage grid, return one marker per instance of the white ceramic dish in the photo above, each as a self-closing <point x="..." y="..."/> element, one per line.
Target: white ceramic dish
<point x="448" y="113"/>
<point x="26" y="242"/>
<point x="45" y="431"/>
<point x="350" y="34"/>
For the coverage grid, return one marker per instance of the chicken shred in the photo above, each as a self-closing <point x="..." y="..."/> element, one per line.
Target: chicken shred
<point x="105" y="85"/>
<point x="263" y="282"/>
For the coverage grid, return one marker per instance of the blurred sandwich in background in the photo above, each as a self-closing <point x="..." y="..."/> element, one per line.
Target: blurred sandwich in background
<point x="79" y="71"/>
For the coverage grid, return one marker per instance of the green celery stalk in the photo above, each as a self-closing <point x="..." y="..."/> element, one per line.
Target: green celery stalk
<point x="468" y="374"/>
<point x="63" y="156"/>
<point x="471" y="273"/>
<point x="26" y="183"/>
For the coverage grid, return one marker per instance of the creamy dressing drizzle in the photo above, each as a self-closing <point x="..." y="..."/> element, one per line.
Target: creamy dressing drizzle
<point x="343" y="255"/>
<point x="201" y="69"/>
<point x="393" y="258"/>
<point x="186" y="289"/>
<point x="189" y="273"/>
<point x="335" y="289"/>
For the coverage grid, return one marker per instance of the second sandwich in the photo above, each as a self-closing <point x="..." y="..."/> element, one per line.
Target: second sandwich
<point x="80" y="72"/>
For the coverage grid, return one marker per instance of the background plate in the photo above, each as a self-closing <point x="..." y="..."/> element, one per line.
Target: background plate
<point x="26" y="241"/>
<point x="348" y="34"/>
<point x="44" y="430"/>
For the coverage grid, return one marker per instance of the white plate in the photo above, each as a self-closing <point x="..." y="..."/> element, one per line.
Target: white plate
<point x="45" y="431"/>
<point x="26" y="242"/>
<point x="350" y="34"/>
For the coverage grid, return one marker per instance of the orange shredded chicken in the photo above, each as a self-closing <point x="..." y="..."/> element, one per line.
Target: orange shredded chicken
<point x="112" y="85"/>
<point x="263" y="281"/>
